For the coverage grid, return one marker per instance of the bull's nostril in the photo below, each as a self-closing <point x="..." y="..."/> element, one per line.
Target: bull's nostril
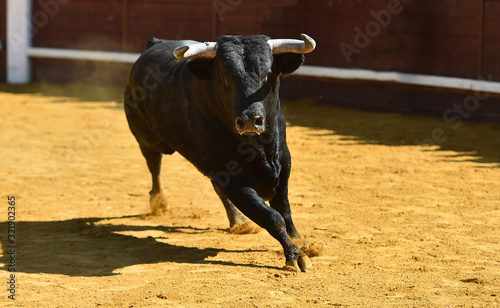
<point x="240" y="123"/>
<point x="259" y="122"/>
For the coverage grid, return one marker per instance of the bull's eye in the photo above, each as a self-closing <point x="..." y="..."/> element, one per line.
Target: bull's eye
<point x="224" y="81"/>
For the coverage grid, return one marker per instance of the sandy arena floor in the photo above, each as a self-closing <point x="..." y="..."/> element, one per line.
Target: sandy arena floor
<point x="402" y="225"/>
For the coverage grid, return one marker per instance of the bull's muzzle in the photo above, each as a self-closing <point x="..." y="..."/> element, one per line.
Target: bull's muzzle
<point x="250" y="125"/>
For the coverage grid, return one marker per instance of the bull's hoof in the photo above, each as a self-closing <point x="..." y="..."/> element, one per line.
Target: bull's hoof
<point x="305" y="263"/>
<point x="246" y="227"/>
<point x="158" y="204"/>
<point x="302" y="264"/>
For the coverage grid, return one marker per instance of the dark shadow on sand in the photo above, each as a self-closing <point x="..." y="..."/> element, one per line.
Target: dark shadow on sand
<point x="85" y="247"/>
<point x="477" y="142"/>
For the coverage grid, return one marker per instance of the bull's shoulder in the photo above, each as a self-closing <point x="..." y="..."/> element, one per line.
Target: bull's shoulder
<point x="157" y="61"/>
<point x="159" y="52"/>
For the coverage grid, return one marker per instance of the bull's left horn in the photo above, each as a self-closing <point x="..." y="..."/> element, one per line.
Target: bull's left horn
<point x="196" y="51"/>
<point x="279" y="46"/>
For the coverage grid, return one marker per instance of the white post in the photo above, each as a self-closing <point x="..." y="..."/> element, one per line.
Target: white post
<point x="18" y="41"/>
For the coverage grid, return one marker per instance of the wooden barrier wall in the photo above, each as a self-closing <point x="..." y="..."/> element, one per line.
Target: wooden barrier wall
<point x="458" y="38"/>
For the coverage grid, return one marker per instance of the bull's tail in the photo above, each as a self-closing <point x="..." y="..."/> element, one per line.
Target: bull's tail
<point x="152" y="41"/>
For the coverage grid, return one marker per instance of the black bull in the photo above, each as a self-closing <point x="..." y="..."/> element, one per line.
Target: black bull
<point x="217" y="105"/>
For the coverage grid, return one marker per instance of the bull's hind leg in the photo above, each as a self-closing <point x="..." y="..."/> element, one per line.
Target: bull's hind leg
<point x="157" y="202"/>
<point x="238" y="223"/>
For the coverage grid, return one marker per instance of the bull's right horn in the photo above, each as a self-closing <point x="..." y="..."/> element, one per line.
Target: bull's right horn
<point x="279" y="46"/>
<point x="196" y="51"/>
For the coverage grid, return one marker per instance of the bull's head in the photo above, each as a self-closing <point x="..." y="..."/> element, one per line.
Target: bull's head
<point x="244" y="72"/>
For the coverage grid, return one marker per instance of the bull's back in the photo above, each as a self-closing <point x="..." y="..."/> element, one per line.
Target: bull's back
<point x="154" y="95"/>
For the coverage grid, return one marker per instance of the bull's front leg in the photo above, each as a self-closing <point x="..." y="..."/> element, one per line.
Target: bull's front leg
<point x="253" y="206"/>
<point x="281" y="204"/>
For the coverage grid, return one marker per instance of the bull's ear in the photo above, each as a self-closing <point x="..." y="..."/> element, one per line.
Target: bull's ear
<point x="288" y="62"/>
<point x="200" y="68"/>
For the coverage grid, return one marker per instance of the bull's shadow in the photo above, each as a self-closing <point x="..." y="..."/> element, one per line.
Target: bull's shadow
<point x="82" y="247"/>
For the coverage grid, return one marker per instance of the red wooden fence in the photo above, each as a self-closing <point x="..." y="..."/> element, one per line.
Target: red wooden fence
<point x="438" y="37"/>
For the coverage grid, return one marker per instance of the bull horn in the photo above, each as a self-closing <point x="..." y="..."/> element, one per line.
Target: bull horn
<point x="279" y="46"/>
<point x="196" y="51"/>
